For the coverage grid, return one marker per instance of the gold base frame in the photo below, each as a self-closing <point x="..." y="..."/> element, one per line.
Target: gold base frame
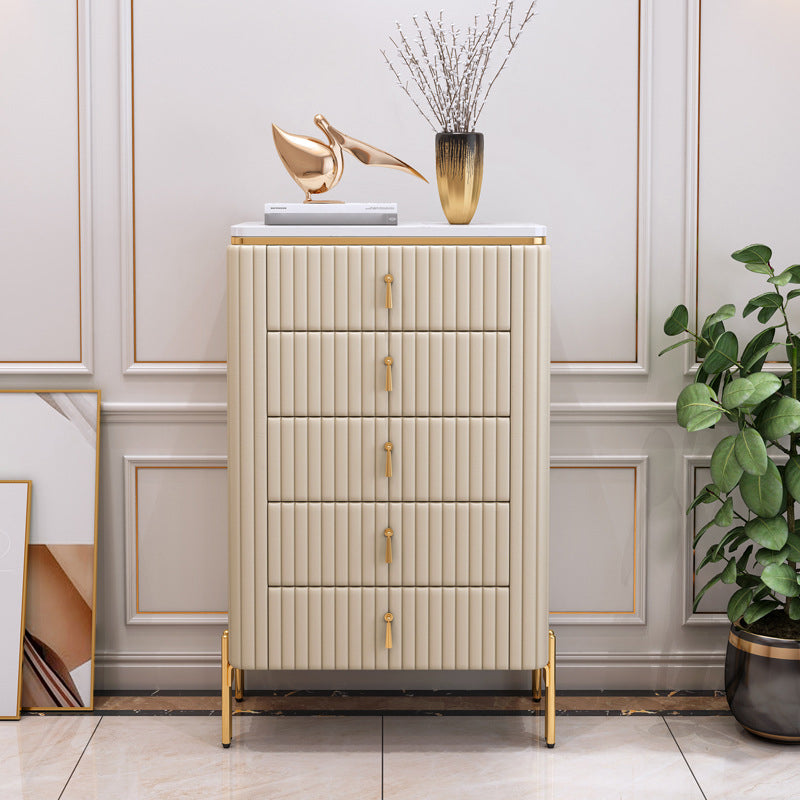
<point x="234" y="678"/>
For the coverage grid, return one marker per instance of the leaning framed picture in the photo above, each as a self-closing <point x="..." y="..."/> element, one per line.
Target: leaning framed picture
<point x="51" y="437"/>
<point x="15" y="508"/>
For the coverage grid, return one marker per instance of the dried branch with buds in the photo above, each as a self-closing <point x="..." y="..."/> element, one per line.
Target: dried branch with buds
<point x="450" y="69"/>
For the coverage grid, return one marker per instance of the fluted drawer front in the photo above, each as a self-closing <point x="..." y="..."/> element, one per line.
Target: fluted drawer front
<point x="430" y="374"/>
<point x="342" y="288"/>
<point x="432" y="459"/>
<point x="344" y="544"/>
<point x="340" y="628"/>
<point x="450" y="374"/>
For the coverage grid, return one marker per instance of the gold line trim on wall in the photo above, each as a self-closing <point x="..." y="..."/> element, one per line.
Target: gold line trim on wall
<point x="136" y="531"/>
<point x="79" y="360"/>
<point x="24" y="593"/>
<point x="133" y="223"/>
<point x="635" y="536"/>
<point x="393" y="241"/>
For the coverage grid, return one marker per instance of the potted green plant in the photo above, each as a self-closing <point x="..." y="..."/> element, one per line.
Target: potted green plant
<point x="755" y="469"/>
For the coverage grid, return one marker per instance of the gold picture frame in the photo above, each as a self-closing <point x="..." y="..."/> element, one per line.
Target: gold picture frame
<point x="52" y="436"/>
<point x="21" y="582"/>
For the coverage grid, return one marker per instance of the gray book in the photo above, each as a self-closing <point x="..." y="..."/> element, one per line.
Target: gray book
<point x="330" y="214"/>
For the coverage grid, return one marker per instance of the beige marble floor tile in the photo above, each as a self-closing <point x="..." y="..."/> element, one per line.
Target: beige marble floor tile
<point x="180" y="758"/>
<point x="595" y="758"/>
<point x="729" y="762"/>
<point x="37" y="754"/>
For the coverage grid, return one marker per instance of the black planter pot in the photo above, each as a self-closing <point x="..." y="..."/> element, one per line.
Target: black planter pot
<point x="762" y="683"/>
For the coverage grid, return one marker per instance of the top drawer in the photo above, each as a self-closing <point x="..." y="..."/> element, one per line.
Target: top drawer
<point x="342" y="288"/>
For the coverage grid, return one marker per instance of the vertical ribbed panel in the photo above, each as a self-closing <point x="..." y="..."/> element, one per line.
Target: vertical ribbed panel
<point x="341" y="288"/>
<point x="343" y="459"/>
<point x="517" y="630"/>
<point x="342" y="544"/>
<point x="235" y="532"/>
<point x="539" y="470"/>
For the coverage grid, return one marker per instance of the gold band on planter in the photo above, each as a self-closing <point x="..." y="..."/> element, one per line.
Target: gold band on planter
<point x="774" y="736"/>
<point x="784" y="653"/>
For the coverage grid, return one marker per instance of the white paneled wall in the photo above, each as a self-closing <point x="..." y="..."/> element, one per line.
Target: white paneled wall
<point x="653" y="137"/>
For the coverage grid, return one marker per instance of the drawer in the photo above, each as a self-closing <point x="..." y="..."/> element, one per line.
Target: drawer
<point x="345" y="374"/>
<point x="344" y="459"/>
<point x="339" y="628"/>
<point x="341" y="288"/>
<point x="344" y="544"/>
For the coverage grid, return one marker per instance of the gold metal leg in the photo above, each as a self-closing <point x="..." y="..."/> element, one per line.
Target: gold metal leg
<point x="536" y="683"/>
<point x="227" y="677"/>
<point x="550" y="682"/>
<point x="238" y="682"/>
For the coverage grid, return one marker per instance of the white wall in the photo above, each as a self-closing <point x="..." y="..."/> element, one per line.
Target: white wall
<point x="650" y="145"/>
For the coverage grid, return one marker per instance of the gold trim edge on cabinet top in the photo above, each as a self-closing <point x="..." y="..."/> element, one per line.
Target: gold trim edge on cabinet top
<point x="388" y="242"/>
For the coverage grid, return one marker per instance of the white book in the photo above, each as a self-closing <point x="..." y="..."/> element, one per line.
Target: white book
<point x="330" y="214"/>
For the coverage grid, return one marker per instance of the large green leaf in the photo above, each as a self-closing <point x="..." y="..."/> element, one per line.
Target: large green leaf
<point x="759" y="609"/>
<point x="724" y="312"/>
<point x="791" y="474"/>
<point x="765" y="383"/>
<point x="781" y="578"/>
<point x="725" y="469"/>
<point x="708" y="494"/>
<point x="737" y="392"/>
<point x="765" y="556"/>
<point x="723" y="353"/>
<point x="771" y="533"/>
<point x="697" y="407"/>
<point x="754" y="255"/>
<point x="766" y="314"/>
<point x="678" y="321"/>
<point x="789" y="275"/>
<point x="724" y="516"/>
<point x="763" y="494"/>
<point x="779" y="418"/>
<point x="756" y="361"/>
<point x="793" y="608"/>
<point x="751" y="452"/>
<point x="793" y="547"/>
<point x="738" y="603"/>
<point x="770" y="300"/>
<point x="729" y="573"/>
<point x="761" y="339"/>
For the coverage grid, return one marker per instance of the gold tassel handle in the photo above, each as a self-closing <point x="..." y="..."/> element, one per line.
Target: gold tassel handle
<point x="388" y="616"/>
<point x="388" y="281"/>
<point x="388" y="361"/>
<point x="388" y="448"/>
<point x="388" y="533"/>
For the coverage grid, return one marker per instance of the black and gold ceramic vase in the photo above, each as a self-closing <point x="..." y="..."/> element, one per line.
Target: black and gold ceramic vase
<point x="762" y="683"/>
<point x="459" y="173"/>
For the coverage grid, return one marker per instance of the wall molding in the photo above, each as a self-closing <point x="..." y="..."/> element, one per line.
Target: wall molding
<point x="640" y="365"/>
<point x="595" y="670"/>
<point x="134" y="616"/>
<point x="132" y="366"/>
<point x="637" y="616"/>
<point x="85" y="364"/>
<point x="645" y="413"/>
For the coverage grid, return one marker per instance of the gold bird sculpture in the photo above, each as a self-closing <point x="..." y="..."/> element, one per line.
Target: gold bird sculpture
<point x="317" y="167"/>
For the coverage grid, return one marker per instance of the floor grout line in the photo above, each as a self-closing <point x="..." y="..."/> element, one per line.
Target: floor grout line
<point x="685" y="760"/>
<point x="61" y="793"/>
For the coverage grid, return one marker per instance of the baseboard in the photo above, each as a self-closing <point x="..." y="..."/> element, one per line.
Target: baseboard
<point x="635" y="671"/>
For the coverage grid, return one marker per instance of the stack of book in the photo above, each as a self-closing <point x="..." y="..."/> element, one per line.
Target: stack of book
<point x="330" y="213"/>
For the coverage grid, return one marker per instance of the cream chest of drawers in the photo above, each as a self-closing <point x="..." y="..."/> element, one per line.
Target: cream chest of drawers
<point x="388" y="448"/>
